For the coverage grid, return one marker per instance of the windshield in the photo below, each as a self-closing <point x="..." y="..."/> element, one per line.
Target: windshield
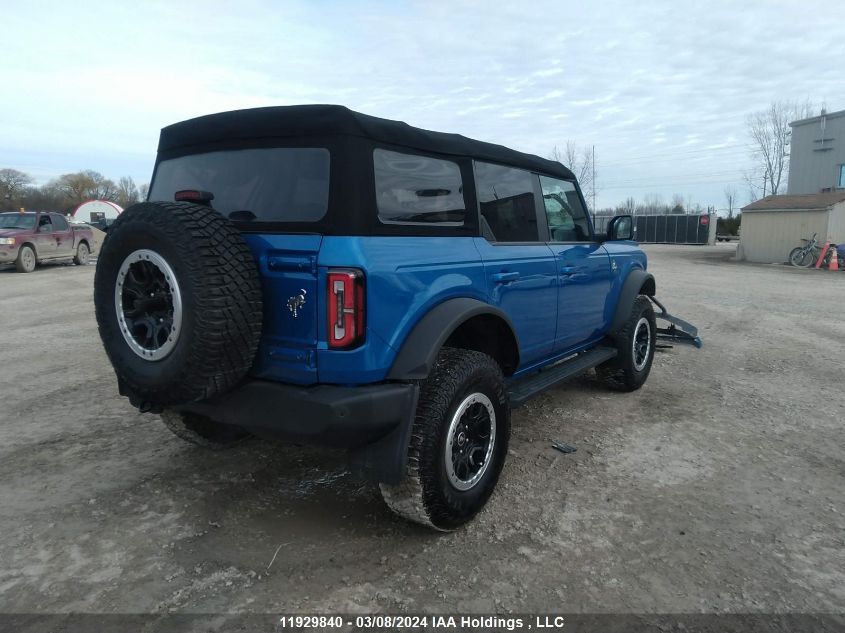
<point x="287" y="184"/>
<point x="17" y="220"/>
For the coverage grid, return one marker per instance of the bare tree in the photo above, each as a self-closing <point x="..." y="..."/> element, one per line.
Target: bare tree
<point x="13" y="183"/>
<point x="144" y="191"/>
<point x="127" y="192"/>
<point x="46" y="197"/>
<point x="103" y="188"/>
<point x="84" y="185"/>
<point x="677" y="203"/>
<point x="753" y="182"/>
<point x="74" y="188"/>
<point x="770" y="133"/>
<point x="730" y="198"/>
<point x="652" y="204"/>
<point x="579" y="162"/>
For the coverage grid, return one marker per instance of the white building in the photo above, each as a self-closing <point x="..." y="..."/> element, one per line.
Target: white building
<point x="773" y="226"/>
<point x="94" y="211"/>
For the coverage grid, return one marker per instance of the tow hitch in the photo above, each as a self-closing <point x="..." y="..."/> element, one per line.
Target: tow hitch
<point x="679" y="331"/>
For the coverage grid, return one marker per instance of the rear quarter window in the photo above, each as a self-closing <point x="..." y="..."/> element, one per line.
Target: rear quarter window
<point x="413" y="189"/>
<point x="60" y="223"/>
<point x="284" y="184"/>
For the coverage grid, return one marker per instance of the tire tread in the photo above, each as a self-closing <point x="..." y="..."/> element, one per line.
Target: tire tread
<point x="227" y="297"/>
<point x="415" y="497"/>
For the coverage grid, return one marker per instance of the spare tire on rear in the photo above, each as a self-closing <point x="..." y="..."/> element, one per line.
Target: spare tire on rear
<point x="178" y="303"/>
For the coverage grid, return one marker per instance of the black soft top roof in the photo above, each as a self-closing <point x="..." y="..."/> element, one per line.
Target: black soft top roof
<point x="260" y="124"/>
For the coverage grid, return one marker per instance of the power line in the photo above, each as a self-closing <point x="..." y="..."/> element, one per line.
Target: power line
<point x="674" y="155"/>
<point x="634" y="181"/>
<point x="658" y="185"/>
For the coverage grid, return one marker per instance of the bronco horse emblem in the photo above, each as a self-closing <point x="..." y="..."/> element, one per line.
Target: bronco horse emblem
<point x="296" y="302"/>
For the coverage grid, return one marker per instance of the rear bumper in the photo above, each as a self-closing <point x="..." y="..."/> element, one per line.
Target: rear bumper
<point x="372" y="421"/>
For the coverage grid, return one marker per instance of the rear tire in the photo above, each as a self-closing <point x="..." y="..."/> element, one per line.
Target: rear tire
<point x="25" y="263"/>
<point x="635" y="345"/>
<point x="82" y="255"/>
<point x="458" y="442"/>
<point x="199" y="430"/>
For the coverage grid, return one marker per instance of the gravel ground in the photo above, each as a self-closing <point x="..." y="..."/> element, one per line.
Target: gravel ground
<point x="718" y="487"/>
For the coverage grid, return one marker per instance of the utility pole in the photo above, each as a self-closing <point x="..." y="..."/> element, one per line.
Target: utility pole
<point x="593" y="178"/>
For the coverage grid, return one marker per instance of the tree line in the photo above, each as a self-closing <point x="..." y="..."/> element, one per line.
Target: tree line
<point x="18" y="190"/>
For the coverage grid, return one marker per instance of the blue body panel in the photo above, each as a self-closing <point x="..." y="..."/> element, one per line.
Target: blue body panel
<point x="522" y="281"/>
<point x="584" y="293"/>
<point x="624" y="257"/>
<point x="287" y="265"/>
<point x="559" y="297"/>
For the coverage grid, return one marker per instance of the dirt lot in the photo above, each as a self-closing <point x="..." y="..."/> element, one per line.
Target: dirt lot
<point x="717" y="487"/>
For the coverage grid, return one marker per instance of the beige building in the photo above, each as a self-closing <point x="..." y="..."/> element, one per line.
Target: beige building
<point x="773" y="226"/>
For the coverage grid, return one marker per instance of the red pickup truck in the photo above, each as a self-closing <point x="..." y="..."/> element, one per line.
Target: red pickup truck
<point x="27" y="239"/>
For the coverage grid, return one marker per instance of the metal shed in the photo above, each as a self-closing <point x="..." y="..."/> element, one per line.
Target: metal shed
<point x="668" y="229"/>
<point x="773" y="226"/>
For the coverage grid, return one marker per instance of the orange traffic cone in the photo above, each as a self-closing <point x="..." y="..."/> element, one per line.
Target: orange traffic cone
<point x="834" y="260"/>
<point x="820" y="260"/>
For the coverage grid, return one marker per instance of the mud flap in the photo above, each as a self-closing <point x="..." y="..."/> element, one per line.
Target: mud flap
<point x="678" y="331"/>
<point x="386" y="460"/>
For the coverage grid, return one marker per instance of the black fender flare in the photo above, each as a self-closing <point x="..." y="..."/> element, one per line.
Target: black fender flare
<point x="638" y="282"/>
<point x="418" y="353"/>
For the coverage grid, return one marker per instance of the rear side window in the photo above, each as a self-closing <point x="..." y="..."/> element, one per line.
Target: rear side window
<point x="60" y="223"/>
<point x="413" y="189"/>
<point x="282" y="184"/>
<point x="506" y="198"/>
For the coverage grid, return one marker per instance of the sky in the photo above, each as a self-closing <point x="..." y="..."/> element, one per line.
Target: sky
<point x="662" y="89"/>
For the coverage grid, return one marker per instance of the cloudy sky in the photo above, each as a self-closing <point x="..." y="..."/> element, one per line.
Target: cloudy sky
<point x="662" y="89"/>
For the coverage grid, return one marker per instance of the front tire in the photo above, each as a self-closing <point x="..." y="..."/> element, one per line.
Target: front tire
<point x="25" y="263"/>
<point x="458" y="442"/>
<point x="635" y="343"/>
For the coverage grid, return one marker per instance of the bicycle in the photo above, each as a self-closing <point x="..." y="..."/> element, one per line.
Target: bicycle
<point x="807" y="255"/>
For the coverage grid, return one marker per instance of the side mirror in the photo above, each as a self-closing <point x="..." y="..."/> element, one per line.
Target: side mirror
<point x="621" y="228"/>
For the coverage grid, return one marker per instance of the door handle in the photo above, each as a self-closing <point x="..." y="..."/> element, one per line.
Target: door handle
<point x="504" y="278"/>
<point x="568" y="270"/>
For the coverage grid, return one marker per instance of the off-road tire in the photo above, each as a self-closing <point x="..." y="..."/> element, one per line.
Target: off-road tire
<point x="621" y="373"/>
<point x="26" y="261"/>
<point x="199" y="430"/>
<point x="82" y="255"/>
<point x="220" y="297"/>
<point x="426" y="495"/>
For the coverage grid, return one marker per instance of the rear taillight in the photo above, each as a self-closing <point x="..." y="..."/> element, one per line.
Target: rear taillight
<point x="345" y="308"/>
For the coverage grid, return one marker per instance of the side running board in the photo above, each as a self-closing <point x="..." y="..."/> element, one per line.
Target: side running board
<point x="524" y="388"/>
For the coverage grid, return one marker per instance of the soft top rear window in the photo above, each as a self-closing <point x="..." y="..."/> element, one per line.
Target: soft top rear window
<point x="280" y="184"/>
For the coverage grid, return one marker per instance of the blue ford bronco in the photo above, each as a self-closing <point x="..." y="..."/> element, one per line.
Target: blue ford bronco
<point x="323" y="276"/>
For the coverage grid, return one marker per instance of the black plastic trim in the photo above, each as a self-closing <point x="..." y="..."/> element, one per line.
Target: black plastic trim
<point x="373" y="421"/>
<point x="634" y="283"/>
<point x="419" y="352"/>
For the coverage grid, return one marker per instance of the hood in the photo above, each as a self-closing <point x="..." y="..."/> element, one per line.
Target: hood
<point x="13" y="232"/>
